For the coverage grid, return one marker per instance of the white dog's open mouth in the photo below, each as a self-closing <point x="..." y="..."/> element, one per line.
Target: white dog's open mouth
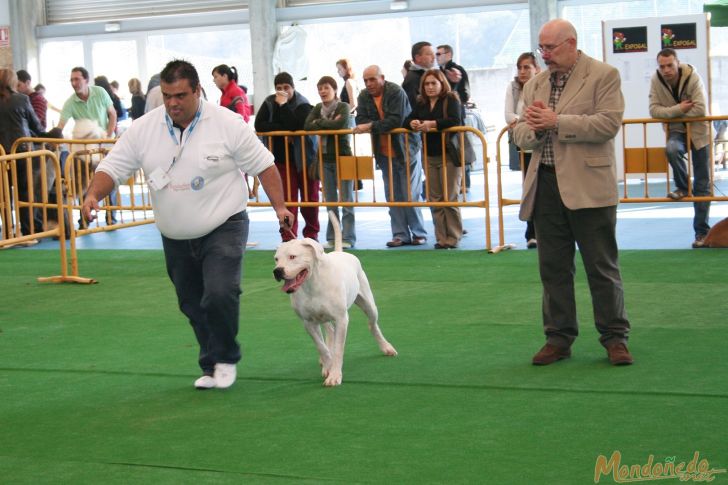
<point x="293" y="284"/>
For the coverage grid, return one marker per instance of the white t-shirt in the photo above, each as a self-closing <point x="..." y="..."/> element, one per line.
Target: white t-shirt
<point x="206" y="184"/>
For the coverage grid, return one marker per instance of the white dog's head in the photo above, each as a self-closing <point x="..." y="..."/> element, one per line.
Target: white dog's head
<point x="295" y="260"/>
<point x="85" y="129"/>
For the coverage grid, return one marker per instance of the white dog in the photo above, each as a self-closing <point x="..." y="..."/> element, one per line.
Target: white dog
<point x="322" y="287"/>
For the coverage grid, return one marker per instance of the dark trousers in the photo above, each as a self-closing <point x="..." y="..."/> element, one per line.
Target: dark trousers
<point x="593" y="230"/>
<point x="310" y="214"/>
<point x="206" y="274"/>
<point x="530" y="230"/>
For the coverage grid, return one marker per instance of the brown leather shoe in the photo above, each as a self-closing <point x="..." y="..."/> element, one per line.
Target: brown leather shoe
<point x="395" y="243"/>
<point x="619" y="355"/>
<point x="550" y="354"/>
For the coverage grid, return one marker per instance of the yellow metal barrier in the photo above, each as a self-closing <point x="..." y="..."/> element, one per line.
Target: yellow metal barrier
<point x="80" y="165"/>
<point x="5" y="214"/>
<point x="642" y="160"/>
<point x="362" y="168"/>
<point x="19" y="201"/>
<point x="646" y="160"/>
<point x="69" y="191"/>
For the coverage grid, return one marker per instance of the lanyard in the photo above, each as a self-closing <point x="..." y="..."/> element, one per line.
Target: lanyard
<point x="181" y="146"/>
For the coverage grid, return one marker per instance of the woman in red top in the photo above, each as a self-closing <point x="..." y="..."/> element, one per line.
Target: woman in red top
<point x="233" y="97"/>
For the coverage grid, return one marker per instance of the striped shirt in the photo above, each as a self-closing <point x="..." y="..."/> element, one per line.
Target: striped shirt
<point x="558" y="83"/>
<point x="40" y="106"/>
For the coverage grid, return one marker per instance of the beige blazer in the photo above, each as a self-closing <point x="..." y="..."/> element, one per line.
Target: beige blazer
<point x="590" y="115"/>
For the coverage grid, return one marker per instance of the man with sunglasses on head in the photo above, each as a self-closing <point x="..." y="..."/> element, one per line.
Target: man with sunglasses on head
<point x="573" y="112"/>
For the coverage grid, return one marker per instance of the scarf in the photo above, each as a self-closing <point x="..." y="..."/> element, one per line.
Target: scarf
<point x="328" y="112"/>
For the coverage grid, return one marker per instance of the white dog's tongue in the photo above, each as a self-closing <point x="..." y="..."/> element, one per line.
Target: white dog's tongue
<point x="292" y="285"/>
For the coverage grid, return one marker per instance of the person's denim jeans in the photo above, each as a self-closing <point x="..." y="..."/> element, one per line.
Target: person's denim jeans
<point x="676" y="150"/>
<point x="332" y="194"/>
<point x="206" y="273"/>
<point x="407" y="222"/>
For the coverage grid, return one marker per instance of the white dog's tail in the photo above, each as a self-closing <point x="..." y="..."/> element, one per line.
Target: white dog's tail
<point x="337" y="230"/>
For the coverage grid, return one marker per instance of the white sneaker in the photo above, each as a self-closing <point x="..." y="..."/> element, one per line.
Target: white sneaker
<point x="205" y="382"/>
<point x="225" y="375"/>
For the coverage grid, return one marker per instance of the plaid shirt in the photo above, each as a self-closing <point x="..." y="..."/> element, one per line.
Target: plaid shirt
<point x="558" y="83"/>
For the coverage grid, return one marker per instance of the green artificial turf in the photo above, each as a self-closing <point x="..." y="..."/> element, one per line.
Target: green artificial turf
<point x="96" y="381"/>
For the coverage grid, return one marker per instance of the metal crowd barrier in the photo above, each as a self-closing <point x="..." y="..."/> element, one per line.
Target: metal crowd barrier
<point x="59" y="209"/>
<point x="643" y="161"/>
<point x="71" y="179"/>
<point x="357" y="167"/>
<point x="22" y="202"/>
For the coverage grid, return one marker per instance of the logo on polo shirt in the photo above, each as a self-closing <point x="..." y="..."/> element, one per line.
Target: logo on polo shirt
<point x="197" y="183"/>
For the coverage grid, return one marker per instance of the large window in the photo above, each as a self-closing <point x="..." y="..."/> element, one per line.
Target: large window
<point x="115" y="59"/>
<point x="205" y="49"/>
<point x="57" y="58"/>
<point x="141" y="56"/>
<point x="486" y="43"/>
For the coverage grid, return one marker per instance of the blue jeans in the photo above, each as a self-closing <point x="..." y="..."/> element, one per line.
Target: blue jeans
<point x="676" y="150"/>
<point x="407" y="222"/>
<point x="206" y="274"/>
<point x="332" y="194"/>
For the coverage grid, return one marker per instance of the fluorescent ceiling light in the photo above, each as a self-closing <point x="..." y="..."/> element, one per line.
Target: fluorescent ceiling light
<point x="398" y="5"/>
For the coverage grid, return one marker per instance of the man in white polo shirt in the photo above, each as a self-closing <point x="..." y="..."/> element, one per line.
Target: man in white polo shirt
<point x="193" y="154"/>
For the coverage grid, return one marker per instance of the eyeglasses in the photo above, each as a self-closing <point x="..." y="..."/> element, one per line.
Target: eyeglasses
<point x="440" y="53"/>
<point x="548" y="49"/>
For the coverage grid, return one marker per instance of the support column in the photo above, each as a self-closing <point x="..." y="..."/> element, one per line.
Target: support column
<point x="540" y="12"/>
<point x="263" y="35"/>
<point x="25" y="16"/>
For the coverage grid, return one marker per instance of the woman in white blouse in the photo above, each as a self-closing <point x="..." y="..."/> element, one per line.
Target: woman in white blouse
<point x="527" y="68"/>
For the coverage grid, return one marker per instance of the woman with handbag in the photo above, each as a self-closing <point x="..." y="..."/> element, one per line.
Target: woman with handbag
<point x="233" y="97"/>
<point x="438" y="108"/>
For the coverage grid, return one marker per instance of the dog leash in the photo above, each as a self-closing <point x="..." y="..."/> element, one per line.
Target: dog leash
<point x="288" y="231"/>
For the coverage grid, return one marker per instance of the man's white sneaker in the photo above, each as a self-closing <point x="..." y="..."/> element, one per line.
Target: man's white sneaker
<point x="225" y="375"/>
<point x="205" y="382"/>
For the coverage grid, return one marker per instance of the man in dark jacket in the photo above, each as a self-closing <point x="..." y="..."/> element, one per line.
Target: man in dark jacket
<point x="382" y="107"/>
<point x="286" y="110"/>
<point x="455" y="73"/>
<point x="423" y="58"/>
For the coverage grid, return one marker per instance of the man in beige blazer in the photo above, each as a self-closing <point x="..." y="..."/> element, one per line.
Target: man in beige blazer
<point x="574" y="111"/>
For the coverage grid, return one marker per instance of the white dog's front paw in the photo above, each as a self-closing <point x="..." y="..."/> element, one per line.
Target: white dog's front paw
<point x="333" y="379"/>
<point x="389" y="350"/>
<point x="325" y="366"/>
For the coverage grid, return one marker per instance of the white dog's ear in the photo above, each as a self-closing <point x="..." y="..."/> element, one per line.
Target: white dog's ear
<point x="318" y="249"/>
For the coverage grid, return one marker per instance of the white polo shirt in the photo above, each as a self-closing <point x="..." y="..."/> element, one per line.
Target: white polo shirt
<point x="206" y="184"/>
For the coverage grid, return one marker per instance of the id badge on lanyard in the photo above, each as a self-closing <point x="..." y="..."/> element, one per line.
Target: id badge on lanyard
<point x="159" y="178"/>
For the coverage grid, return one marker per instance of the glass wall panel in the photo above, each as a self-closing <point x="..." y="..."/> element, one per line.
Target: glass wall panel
<point x="205" y="50"/>
<point x="57" y="58"/>
<point x="486" y="43"/>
